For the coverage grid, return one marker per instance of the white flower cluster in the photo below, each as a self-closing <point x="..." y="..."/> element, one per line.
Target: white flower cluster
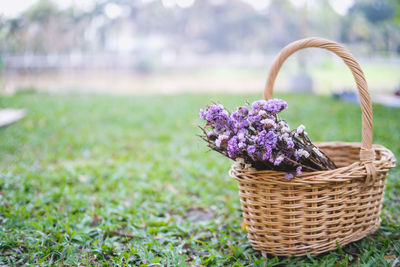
<point x="220" y="139"/>
<point x="262" y="113"/>
<point x="301" y="153"/>
<point x="300" y="130"/>
<point x="284" y="136"/>
<point x="284" y="127"/>
<point x="268" y="123"/>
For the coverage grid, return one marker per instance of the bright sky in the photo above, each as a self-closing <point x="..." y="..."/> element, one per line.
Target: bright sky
<point x="14" y="7"/>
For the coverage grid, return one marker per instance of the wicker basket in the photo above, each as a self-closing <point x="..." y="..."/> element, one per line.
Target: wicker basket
<point x="315" y="211"/>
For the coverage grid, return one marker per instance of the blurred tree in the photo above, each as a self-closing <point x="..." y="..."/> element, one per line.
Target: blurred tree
<point x="42" y="27"/>
<point x="330" y="28"/>
<point x="396" y="5"/>
<point x="41" y="12"/>
<point x="373" y="21"/>
<point x="206" y="26"/>
<point x="283" y="23"/>
<point x="375" y="10"/>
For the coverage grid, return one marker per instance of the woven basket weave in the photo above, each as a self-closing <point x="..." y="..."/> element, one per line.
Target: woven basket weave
<point x="315" y="211"/>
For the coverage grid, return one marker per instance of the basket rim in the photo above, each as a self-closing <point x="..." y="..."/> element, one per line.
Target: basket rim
<point x="356" y="170"/>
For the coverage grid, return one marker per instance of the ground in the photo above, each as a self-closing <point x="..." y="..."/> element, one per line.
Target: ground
<point x="104" y="180"/>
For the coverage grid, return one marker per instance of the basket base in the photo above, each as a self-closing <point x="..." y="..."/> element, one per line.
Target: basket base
<point x="303" y="249"/>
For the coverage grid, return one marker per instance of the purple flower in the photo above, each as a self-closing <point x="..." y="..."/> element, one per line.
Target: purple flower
<point x="212" y="112"/>
<point x="218" y="117"/>
<point x="267" y="154"/>
<point x="298" y="170"/>
<point x="239" y="122"/>
<point x="221" y="138"/>
<point x="289" y="176"/>
<point x="239" y="118"/>
<point x="266" y="139"/>
<point x="287" y="139"/>
<point x="242" y="135"/>
<point x="258" y="104"/>
<point x="242" y="110"/>
<point x="255" y="121"/>
<point x="278" y="160"/>
<point x="289" y="142"/>
<point x="203" y="114"/>
<point x="233" y="148"/>
<point x="251" y="150"/>
<point x="275" y="105"/>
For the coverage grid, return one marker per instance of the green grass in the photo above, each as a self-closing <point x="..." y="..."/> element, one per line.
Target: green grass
<point x="106" y="180"/>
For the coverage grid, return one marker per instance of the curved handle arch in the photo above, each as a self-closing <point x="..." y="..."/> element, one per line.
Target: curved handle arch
<point x="366" y="153"/>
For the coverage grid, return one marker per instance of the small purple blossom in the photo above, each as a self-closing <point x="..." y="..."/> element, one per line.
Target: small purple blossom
<point x="233" y="148"/>
<point x="221" y="138"/>
<point x="251" y="150"/>
<point x="258" y="104"/>
<point x="289" y="176"/>
<point x="241" y="145"/>
<point x="278" y="160"/>
<point x="298" y="170"/>
<point x="217" y="115"/>
<point x="203" y="114"/>
<point x="289" y="143"/>
<point x="267" y="154"/>
<point x="242" y="110"/>
<point x="241" y="136"/>
<point x="275" y="105"/>
<point x="255" y="121"/>
<point x="239" y="118"/>
<point x="266" y="139"/>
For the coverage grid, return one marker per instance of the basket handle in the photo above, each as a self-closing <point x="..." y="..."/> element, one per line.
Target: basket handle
<point x="367" y="154"/>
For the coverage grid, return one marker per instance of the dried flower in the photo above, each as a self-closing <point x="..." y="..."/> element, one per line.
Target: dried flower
<point x="275" y="105"/>
<point x="256" y="136"/>
<point x="300" y="129"/>
<point x="301" y="153"/>
<point x="221" y="138"/>
<point x="251" y="150"/>
<point x="289" y="176"/>
<point x="278" y="160"/>
<point x="269" y="123"/>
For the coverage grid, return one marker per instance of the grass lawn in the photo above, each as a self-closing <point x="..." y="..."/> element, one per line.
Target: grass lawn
<point x="103" y="180"/>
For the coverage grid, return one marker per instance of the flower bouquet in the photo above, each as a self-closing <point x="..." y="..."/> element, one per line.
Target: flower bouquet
<point x="256" y="137"/>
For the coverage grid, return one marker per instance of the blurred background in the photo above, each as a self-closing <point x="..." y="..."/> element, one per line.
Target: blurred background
<point x="170" y="46"/>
